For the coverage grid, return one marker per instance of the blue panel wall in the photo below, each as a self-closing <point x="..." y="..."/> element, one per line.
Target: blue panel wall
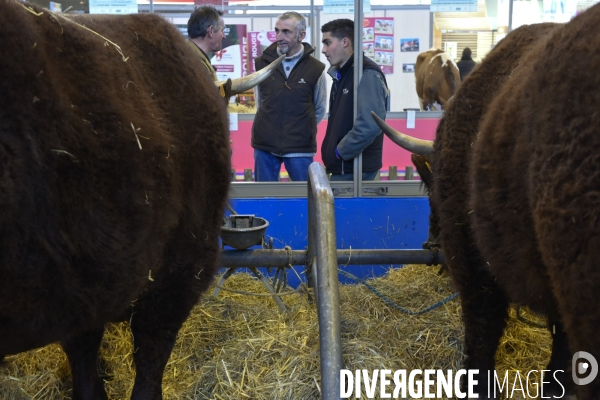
<point x="361" y="223"/>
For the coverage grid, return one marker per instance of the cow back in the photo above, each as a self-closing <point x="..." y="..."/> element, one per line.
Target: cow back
<point x="113" y="140"/>
<point x="456" y="134"/>
<point x="544" y="127"/>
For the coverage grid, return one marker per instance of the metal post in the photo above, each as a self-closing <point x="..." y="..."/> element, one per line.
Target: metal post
<point x="222" y="280"/>
<point x="358" y="69"/>
<point x="409" y="173"/>
<point x="265" y="282"/>
<point x="321" y="216"/>
<point x="393" y="173"/>
<point x="311" y="251"/>
<point x="247" y="175"/>
<point x="313" y="31"/>
<point x="510" y="15"/>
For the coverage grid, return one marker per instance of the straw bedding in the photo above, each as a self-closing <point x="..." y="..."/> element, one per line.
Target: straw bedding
<point x="241" y="347"/>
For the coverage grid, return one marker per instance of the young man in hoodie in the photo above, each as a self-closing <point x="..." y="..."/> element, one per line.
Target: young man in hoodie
<point x="289" y="104"/>
<point x="347" y="137"/>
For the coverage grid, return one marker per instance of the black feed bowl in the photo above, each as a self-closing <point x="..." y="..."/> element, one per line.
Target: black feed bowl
<point x="243" y="231"/>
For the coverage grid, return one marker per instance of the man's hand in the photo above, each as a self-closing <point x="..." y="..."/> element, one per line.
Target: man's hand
<point x="225" y="90"/>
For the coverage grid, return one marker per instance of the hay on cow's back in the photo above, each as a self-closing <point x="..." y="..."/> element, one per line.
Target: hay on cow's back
<point x="237" y="347"/>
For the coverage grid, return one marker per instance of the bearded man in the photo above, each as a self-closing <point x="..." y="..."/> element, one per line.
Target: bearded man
<point x="289" y="104"/>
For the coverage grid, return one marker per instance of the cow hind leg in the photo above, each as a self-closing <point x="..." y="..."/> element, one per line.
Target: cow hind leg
<point x="155" y="322"/>
<point x="154" y="325"/>
<point x="442" y="102"/>
<point x="577" y="287"/>
<point x="428" y="100"/>
<point x="82" y="352"/>
<point x="153" y="345"/>
<point x="560" y="383"/>
<point x="485" y="310"/>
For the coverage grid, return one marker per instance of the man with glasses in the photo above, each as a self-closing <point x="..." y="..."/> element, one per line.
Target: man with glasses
<point x="289" y="104"/>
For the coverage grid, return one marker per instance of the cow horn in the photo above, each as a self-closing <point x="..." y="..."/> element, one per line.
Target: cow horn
<point x="240" y="85"/>
<point x="414" y="145"/>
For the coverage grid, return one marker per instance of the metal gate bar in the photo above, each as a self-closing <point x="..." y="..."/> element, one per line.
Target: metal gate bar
<point x="280" y="257"/>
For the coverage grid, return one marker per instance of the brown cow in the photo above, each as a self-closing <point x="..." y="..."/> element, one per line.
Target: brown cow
<point x="114" y="170"/>
<point x="521" y="225"/>
<point x="437" y="79"/>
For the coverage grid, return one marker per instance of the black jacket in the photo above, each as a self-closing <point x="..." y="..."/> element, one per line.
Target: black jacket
<point x="465" y="66"/>
<point x="285" y="121"/>
<point x="341" y="121"/>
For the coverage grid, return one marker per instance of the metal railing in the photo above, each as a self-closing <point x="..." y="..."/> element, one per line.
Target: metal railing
<point x="323" y="254"/>
<point x="321" y="260"/>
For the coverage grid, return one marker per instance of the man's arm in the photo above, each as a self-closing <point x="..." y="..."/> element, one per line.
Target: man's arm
<point x="320" y="97"/>
<point x="372" y="95"/>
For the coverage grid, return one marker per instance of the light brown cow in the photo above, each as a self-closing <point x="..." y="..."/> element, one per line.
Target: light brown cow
<point x="437" y="78"/>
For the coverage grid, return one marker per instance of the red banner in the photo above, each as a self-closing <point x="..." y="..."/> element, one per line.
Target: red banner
<point x="257" y="42"/>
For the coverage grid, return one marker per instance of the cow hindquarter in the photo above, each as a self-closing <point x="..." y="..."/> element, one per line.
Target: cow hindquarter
<point x="115" y="156"/>
<point x="484" y="300"/>
<point x="565" y="182"/>
<point x="536" y="192"/>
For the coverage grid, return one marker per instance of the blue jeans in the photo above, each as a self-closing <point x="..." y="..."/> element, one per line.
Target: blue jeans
<point x="366" y="176"/>
<point x="267" y="166"/>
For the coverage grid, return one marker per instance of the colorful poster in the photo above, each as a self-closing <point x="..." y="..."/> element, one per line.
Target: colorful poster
<point x="230" y="61"/>
<point x="411" y="44"/>
<point x="408" y="68"/>
<point x="378" y="42"/>
<point x="257" y="43"/>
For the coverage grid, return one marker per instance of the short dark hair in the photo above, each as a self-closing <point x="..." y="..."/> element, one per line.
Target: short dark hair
<point x="201" y="19"/>
<point x="466" y="52"/>
<point x="340" y="28"/>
